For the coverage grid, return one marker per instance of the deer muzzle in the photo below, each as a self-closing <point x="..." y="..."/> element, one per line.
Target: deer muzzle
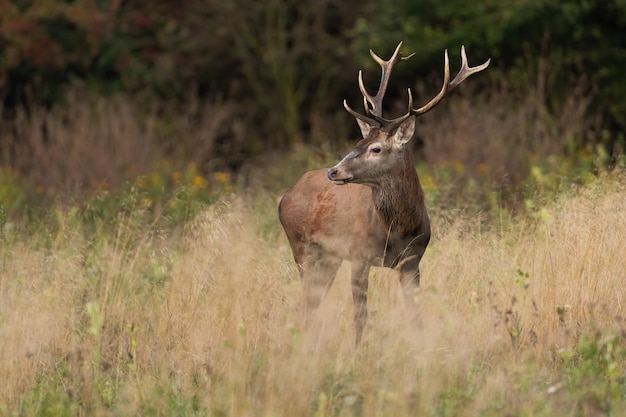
<point x="337" y="177"/>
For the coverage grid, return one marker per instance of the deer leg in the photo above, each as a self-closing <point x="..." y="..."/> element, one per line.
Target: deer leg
<point x="318" y="273"/>
<point x="410" y="281"/>
<point x="360" y="274"/>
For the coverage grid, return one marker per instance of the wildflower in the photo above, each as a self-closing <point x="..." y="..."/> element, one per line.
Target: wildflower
<point x="199" y="181"/>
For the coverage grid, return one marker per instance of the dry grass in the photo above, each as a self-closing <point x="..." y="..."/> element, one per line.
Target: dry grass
<point x="91" y="142"/>
<point x="140" y="321"/>
<point x="498" y="132"/>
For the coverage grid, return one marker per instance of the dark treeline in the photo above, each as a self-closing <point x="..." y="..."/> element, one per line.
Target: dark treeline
<point x="283" y="67"/>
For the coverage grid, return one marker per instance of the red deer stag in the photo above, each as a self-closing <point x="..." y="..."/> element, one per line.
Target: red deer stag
<point x="369" y="208"/>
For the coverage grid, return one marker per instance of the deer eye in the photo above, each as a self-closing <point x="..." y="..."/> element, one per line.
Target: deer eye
<point x="375" y="149"/>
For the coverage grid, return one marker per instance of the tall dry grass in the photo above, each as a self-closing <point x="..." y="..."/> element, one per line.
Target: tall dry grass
<point x="499" y="132"/>
<point x="90" y="142"/>
<point x="135" y="320"/>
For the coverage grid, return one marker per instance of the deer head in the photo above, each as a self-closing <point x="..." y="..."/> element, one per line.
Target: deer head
<point x="382" y="149"/>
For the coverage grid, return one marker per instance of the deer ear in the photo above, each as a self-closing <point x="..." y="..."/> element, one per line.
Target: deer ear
<point x="365" y="128"/>
<point x="404" y="132"/>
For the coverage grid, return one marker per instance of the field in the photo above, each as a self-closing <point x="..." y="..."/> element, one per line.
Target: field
<point x="144" y="147"/>
<point x="126" y="315"/>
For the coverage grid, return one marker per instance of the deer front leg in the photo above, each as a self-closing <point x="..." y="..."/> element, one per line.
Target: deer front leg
<point x="410" y="281"/>
<point x="360" y="272"/>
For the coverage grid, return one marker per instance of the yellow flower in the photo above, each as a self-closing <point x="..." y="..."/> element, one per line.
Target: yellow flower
<point x="199" y="181"/>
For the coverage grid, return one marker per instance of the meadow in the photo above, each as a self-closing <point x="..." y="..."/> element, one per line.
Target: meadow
<point x="143" y="270"/>
<point x="135" y="287"/>
<point x="123" y="314"/>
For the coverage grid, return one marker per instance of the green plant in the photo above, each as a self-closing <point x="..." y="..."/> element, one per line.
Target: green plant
<point x="594" y="371"/>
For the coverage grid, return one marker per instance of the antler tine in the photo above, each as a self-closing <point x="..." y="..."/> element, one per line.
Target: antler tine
<point x="444" y="89"/>
<point x="376" y="101"/>
<point x="448" y="86"/>
<point x="466" y="70"/>
<point x="359" y="116"/>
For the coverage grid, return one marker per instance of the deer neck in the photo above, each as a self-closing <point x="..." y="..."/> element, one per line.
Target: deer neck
<point x="399" y="198"/>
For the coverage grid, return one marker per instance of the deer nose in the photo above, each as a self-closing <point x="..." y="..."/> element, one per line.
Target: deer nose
<point x="332" y="173"/>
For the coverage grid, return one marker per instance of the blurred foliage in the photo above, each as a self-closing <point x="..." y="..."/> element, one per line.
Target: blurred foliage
<point x="168" y="195"/>
<point x="565" y="40"/>
<point x="12" y="194"/>
<point x="594" y="371"/>
<point x="274" y="73"/>
<point x="287" y="63"/>
<point x="174" y="196"/>
<point x="283" y="63"/>
<point x="130" y="45"/>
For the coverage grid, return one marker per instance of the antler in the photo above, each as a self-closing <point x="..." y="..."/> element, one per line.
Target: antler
<point x="376" y="102"/>
<point x="386" y="67"/>
<point x="448" y="86"/>
<point x="375" y="117"/>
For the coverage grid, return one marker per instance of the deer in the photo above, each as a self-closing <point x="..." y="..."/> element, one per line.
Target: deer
<point x="368" y="209"/>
